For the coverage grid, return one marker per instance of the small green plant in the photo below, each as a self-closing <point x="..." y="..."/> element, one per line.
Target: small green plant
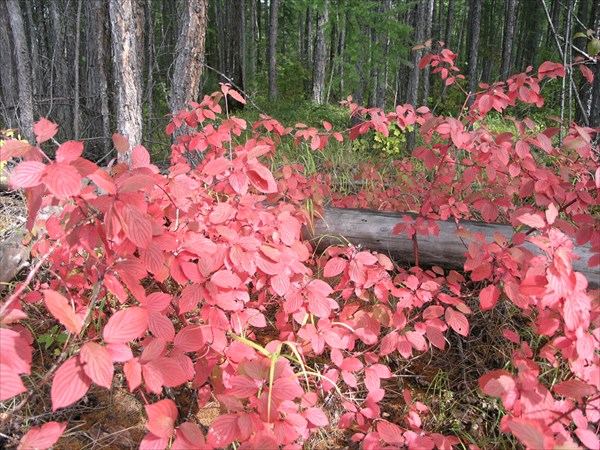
<point x="53" y="338"/>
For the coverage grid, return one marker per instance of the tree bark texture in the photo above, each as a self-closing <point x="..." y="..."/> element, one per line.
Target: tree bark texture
<point x="373" y="231"/>
<point x="274" y="15"/>
<point x="190" y="53"/>
<point x="318" y="88"/>
<point x="475" y="24"/>
<point x="127" y="71"/>
<point x="508" y="40"/>
<point x="8" y="76"/>
<point x="23" y="63"/>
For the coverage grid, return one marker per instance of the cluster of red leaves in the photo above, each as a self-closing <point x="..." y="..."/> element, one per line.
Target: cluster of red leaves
<point x="187" y="273"/>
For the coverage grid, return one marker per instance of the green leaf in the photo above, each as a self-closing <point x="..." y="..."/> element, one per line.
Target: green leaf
<point x="594" y="47"/>
<point x="580" y="35"/>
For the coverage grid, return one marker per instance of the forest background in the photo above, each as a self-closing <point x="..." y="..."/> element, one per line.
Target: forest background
<point x="97" y="66"/>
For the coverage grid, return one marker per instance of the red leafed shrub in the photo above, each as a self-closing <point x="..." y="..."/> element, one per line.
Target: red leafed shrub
<point x="200" y="276"/>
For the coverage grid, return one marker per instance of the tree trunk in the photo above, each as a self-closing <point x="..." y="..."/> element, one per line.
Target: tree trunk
<point x="252" y="45"/>
<point x="475" y="23"/>
<point x="190" y="54"/>
<point x="448" y="38"/>
<point x="96" y="86"/>
<point x="273" y="49"/>
<point x="61" y="80"/>
<point x="419" y="36"/>
<point x="308" y="49"/>
<point x="428" y="30"/>
<point x="127" y="71"/>
<point x="76" y="95"/>
<point x="23" y="63"/>
<point x="8" y="80"/>
<point x="508" y="40"/>
<point x="318" y="87"/>
<point x="594" y="110"/>
<point x="150" y="52"/>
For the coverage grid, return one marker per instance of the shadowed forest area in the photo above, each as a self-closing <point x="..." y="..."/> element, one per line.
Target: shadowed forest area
<point x="96" y="66"/>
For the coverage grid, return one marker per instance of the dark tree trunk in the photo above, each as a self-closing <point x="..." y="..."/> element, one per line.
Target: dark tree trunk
<point x="273" y="49"/>
<point x="127" y="68"/>
<point x="150" y="52"/>
<point x="252" y="44"/>
<point x="8" y="78"/>
<point x="190" y="54"/>
<point x="23" y="64"/>
<point x="308" y="48"/>
<point x="428" y="30"/>
<point x="76" y="96"/>
<point x="475" y="23"/>
<point x="419" y="37"/>
<point x="318" y="85"/>
<point x="508" y="40"/>
<point x="96" y="86"/>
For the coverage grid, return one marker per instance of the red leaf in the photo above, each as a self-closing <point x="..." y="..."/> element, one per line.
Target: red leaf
<point x="190" y="339"/>
<point x="457" y="321"/>
<point x="69" y="151"/>
<point x="587" y="73"/>
<point x="126" y="325"/>
<point x="262" y="179"/>
<point x="390" y="432"/>
<point x="44" y="130"/>
<point x="151" y="441"/>
<point x="11" y="383"/>
<point x="97" y="363"/>
<point x="334" y="267"/>
<point x="574" y="389"/>
<point x="280" y="284"/>
<point x="189" y="437"/>
<point x="43" y="437"/>
<point x="70" y="384"/>
<point x="133" y="373"/>
<point x="217" y="166"/>
<point x="136" y="225"/>
<point x="529" y="433"/>
<point x="60" y="308"/>
<point x="221" y="213"/>
<point x="121" y="143"/>
<point x="103" y="181"/>
<point x="140" y="157"/>
<point x="236" y="96"/>
<point x="226" y="279"/>
<point x="62" y="180"/>
<point x="435" y="336"/>
<point x="161" y="326"/>
<point x="316" y="416"/>
<point x="588" y="438"/>
<point x="531" y="220"/>
<point x="27" y="174"/>
<point x="488" y="297"/>
<point x="223" y="431"/>
<point x="161" y="417"/>
<point x="14" y="148"/>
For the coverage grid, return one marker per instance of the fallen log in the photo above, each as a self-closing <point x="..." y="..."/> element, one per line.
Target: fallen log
<point x="373" y="230"/>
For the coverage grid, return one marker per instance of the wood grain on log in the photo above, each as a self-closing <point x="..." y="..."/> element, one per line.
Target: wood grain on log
<point x="373" y="231"/>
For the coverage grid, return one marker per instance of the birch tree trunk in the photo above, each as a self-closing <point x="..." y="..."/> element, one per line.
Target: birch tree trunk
<point x="127" y="71"/>
<point x="23" y="63"/>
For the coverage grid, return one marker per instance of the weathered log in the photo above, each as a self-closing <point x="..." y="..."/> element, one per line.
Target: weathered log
<point x="14" y="256"/>
<point x="373" y="230"/>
